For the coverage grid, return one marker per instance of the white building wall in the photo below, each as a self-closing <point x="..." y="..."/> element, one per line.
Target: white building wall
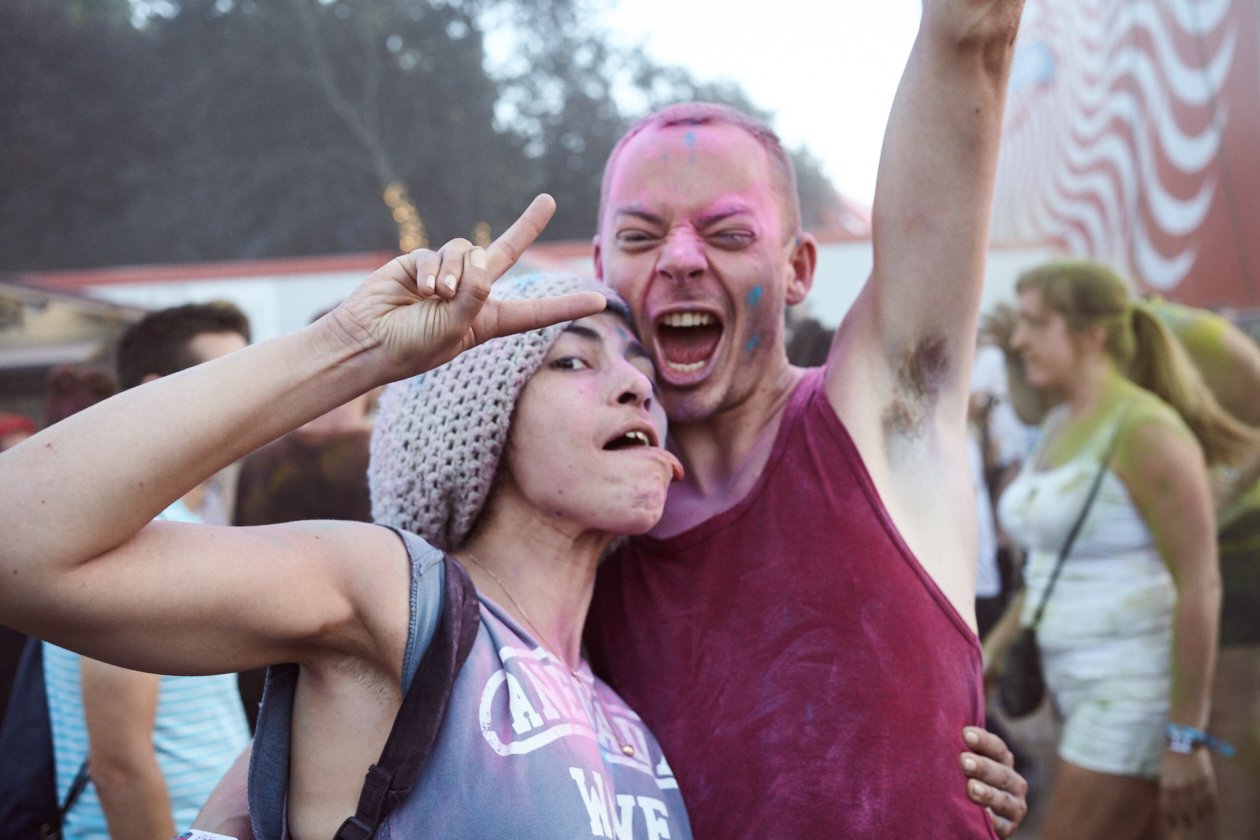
<point x="282" y="303"/>
<point x="843" y="269"/>
<point x="275" y="305"/>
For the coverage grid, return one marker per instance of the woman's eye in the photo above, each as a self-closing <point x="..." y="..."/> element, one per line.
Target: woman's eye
<point x="570" y="363"/>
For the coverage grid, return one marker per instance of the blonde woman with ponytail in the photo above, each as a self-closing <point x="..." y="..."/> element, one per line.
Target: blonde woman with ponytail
<point x="1128" y="634"/>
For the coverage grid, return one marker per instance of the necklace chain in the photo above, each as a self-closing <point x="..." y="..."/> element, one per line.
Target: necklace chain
<point x="626" y="749"/>
<point x="555" y="651"/>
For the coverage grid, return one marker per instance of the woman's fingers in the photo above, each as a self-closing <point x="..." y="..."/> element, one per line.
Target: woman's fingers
<point x="435" y="274"/>
<point x="439" y="274"/>
<point x="450" y="270"/>
<point x="512" y="316"/>
<point x="415" y="271"/>
<point x="503" y="253"/>
<point x="460" y="274"/>
<point x="473" y="287"/>
<point x="408" y="264"/>
<point x="1187" y="791"/>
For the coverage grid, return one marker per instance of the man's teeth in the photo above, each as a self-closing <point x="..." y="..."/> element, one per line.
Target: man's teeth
<point x="639" y="437"/>
<point x="688" y="319"/>
<point x="680" y="367"/>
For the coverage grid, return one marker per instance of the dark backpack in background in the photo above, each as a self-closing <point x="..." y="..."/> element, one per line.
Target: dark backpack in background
<point x="28" y="772"/>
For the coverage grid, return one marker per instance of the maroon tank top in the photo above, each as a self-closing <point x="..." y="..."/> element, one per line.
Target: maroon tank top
<point x="804" y="674"/>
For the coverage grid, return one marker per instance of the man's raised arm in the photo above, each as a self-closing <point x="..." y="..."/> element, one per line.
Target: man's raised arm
<point x="911" y="333"/>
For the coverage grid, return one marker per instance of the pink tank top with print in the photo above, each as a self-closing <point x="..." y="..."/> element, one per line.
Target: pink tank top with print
<point x="804" y="674"/>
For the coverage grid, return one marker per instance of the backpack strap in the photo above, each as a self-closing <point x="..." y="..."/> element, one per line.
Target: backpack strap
<point x="415" y="729"/>
<point x="1066" y="549"/>
<point x="77" y="786"/>
<point x="28" y="766"/>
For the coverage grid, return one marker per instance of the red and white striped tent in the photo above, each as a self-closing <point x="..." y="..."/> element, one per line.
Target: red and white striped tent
<point x="1130" y="137"/>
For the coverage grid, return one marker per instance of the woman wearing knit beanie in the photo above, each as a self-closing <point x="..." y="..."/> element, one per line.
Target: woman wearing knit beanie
<point x="522" y="438"/>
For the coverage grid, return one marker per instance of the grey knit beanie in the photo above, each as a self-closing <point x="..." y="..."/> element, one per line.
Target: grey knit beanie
<point x="438" y="437"/>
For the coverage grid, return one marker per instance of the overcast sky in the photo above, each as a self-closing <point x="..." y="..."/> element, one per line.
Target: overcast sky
<point x="828" y="70"/>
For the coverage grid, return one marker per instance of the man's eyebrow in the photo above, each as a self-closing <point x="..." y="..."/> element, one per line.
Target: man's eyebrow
<point x="722" y="215"/>
<point x="639" y="213"/>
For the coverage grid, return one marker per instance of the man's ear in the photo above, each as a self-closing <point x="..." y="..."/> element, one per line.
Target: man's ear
<point x="597" y="255"/>
<point x="803" y="259"/>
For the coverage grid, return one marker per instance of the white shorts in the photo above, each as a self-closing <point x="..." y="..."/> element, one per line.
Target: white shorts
<point x="1113" y="722"/>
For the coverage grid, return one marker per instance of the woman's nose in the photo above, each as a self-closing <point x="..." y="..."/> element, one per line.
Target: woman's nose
<point x="635" y="388"/>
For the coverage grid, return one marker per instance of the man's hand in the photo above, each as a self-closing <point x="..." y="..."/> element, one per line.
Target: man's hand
<point x="992" y="780"/>
<point x="227" y="808"/>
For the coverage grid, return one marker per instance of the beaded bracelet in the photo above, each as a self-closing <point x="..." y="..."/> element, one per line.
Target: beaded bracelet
<point x="1183" y="740"/>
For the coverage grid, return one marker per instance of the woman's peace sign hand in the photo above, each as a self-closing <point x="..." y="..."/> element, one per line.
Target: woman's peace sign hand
<point x="422" y="309"/>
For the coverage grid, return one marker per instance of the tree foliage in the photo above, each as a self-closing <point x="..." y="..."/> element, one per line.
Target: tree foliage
<point x="221" y="129"/>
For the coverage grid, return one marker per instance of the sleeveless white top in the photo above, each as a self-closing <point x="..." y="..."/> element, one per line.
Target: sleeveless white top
<point x="1114" y="586"/>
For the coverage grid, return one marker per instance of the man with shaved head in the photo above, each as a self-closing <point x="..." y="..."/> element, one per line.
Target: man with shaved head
<point x="799" y="629"/>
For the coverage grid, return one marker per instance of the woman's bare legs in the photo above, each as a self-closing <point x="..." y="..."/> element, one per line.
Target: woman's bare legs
<point x="1236" y="718"/>
<point x="1088" y="805"/>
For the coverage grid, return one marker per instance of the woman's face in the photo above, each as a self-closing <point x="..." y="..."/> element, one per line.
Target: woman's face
<point x="588" y="433"/>
<point x="1044" y="342"/>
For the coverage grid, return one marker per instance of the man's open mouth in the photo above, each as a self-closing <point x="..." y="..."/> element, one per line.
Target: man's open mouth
<point x="687" y="340"/>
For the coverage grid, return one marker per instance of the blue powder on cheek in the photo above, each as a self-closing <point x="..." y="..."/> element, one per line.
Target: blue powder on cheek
<point x="753" y="298"/>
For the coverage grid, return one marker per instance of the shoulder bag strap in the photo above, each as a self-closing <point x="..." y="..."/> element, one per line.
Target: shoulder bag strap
<point x="1080" y="520"/>
<point x="80" y="782"/>
<point x="411" y="739"/>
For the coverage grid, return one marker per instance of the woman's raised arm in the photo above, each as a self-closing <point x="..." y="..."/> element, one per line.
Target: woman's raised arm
<point x="82" y="564"/>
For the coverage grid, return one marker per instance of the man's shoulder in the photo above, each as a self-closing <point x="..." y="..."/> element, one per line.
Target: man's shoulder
<point x="805" y="385"/>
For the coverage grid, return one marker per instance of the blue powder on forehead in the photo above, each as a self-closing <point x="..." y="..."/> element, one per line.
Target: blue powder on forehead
<point x="754" y="295"/>
<point x="689" y="140"/>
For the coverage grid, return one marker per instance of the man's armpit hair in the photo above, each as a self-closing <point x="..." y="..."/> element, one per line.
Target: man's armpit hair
<point x="920" y="377"/>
